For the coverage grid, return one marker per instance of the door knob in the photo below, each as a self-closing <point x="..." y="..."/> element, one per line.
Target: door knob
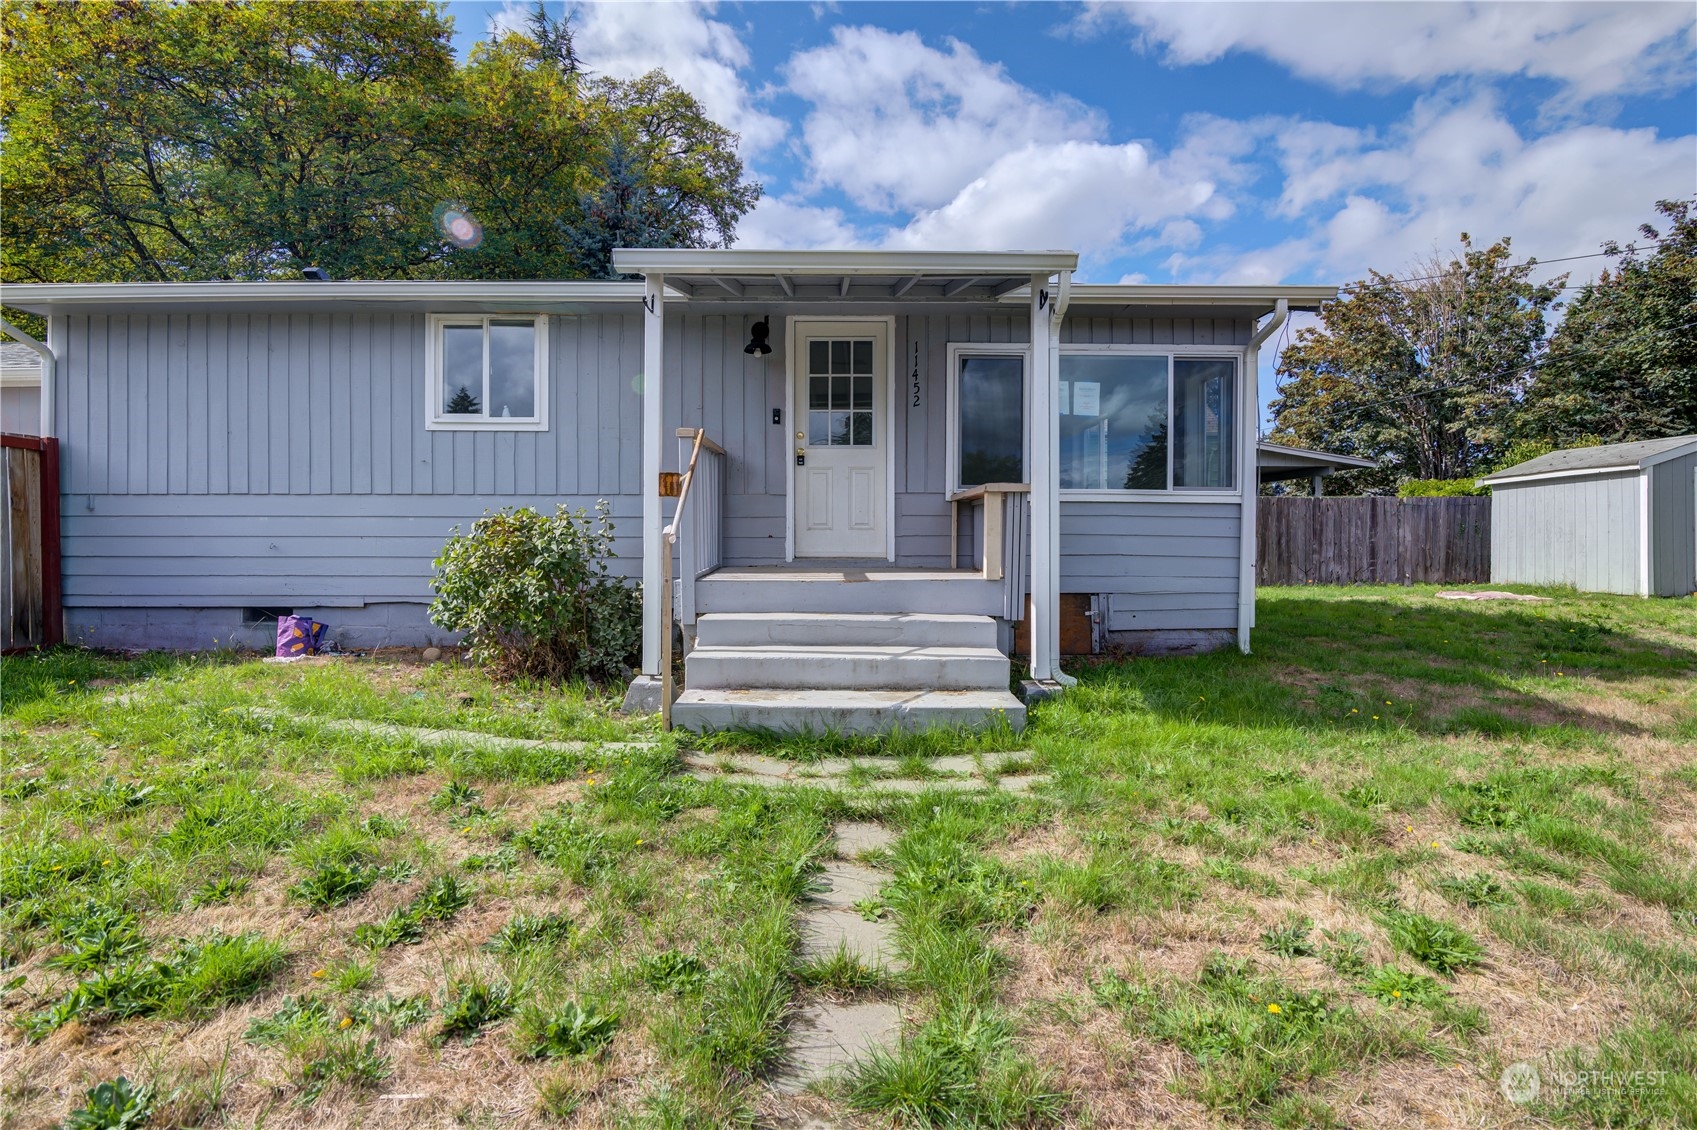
<point x="801" y="435"/>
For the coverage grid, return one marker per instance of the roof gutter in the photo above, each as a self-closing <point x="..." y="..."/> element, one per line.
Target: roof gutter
<point x="1249" y="480"/>
<point x="49" y="363"/>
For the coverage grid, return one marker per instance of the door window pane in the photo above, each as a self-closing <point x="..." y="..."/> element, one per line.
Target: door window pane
<point x="819" y="357"/>
<point x="992" y="420"/>
<point x="862" y="429"/>
<point x="839" y="429"/>
<point x="819" y="428"/>
<point x="862" y="392"/>
<point x="512" y="369"/>
<point x="839" y="392"/>
<point x="839" y="357"/>
<point x="462" y="370"/>
<point x="1113" y="417"/>
<point x="818" y="392"/>
<point x="1204" y="412"/>
<point x="863" y="356"/>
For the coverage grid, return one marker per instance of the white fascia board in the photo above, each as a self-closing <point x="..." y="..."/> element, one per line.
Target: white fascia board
<point x="1499" y="480"/>
<point x="19" y="376"/>
<point x="1313" y="456"/>
<point x="953" y="264"/>
<point x="1137" y="294"/>
<point x="56" y="298"/>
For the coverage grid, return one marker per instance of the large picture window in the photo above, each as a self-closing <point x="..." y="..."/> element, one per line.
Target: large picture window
<point x="1148" y="422"/>
<point x="987" y="391"/>
<point x="487" y="372"/>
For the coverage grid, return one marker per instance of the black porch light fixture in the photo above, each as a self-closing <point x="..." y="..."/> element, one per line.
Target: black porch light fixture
<point x="757" y="337"/>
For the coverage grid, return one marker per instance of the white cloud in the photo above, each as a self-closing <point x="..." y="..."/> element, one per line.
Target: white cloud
<point x="790" y="223"/>
<point x="1592" y="49"/>
<point x="704" y="56"/>
<point x="896" y="124"/>
<point x="1364" y="198"/>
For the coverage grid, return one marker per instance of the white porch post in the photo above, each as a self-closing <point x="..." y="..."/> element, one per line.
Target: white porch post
<point x="653" y="437"/>
<point x="1045" y="496"/>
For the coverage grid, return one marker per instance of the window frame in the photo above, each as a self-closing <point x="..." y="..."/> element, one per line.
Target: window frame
<point x="956" y="352"/>
<point x="436" y="420"/>
<point x="1171" y="493"/>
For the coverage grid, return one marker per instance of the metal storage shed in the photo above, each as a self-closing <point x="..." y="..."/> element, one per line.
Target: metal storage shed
<point x="1619" y="518"/>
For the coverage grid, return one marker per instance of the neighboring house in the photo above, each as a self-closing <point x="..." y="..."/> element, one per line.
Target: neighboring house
<point x="1276" y="462"/>
<point x="921" y="422"/>
<point x="20" y="389"/>
<point x="1618" y="518"/>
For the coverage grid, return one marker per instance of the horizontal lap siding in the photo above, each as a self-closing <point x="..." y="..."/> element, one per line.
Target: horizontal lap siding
<point x="1163" y="565"/>
<point x="236" y="459"/>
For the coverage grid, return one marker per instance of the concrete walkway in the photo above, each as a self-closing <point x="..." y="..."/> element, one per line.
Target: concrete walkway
<point x="827" y="1036"/>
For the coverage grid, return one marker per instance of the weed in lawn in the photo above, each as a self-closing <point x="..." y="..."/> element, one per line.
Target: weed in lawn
<point x="1235" y="874"/>
<point x="1290" y="937"/>
<point x="841" y="971"/>
<point x="221" y="890"/>
<point x="96" y="937"/>
<point x="294" y="1020"/>
<point x="1114" y="991"/>
<point x="457" y="797"/>
<point x="1438" y="945"/>
<point x="339" y="1058"/>
<point x="567" y="841"/>
<point x="503" y="859"/>
<point x="1093" y="886"/>
<point x="1390" y="985"/>
<point x="333" y="883"/>
<point x="441" y="899"/>
<point x="1478" y="889"/>
<point x="1344" y="952"/>
<point x="471" y="1002"/>
<point x="672" y="972"/>
<point x="115" y="1105"/>
<point x="351" y="975"/>
<point x="383" y="827"/>
<point x="569" y="1030"/>
<point x="959" y="1069"/>
<point x="524" y="931"/>
<point x="388" y="1013"/>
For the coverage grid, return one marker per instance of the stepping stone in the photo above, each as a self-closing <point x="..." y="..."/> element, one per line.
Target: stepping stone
<point x="844" y="884"/>
<point x="1023" y="784"/>
<point x="825" y="1038"/>
<point x="826" y="929"/>
<point x="445" y="737"/>
<point x="854" y="837"/>
<point x="955" y="763"/>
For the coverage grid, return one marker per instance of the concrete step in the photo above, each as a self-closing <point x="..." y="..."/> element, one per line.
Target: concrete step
<point x="839" y="591"/>
<point x="847" y="668"/>
<point x="793" y="711"/>
<point x="852" y="629"/>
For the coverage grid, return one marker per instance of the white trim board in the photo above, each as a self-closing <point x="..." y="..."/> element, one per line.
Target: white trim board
<point x="951" y="402"/>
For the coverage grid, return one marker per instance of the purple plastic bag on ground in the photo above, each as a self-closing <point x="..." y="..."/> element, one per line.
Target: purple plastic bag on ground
<point x="299" y="635"/>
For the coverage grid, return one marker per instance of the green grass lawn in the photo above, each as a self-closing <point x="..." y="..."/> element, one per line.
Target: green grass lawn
<point x="1347" y="880"/>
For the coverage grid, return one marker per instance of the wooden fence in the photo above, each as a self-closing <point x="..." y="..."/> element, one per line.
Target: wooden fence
<point x="1353" y="541"/>
<point x="31" y="599"/>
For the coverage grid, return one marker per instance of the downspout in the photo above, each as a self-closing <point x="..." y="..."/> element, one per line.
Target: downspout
<point x="1057" y="313"/>
<point x="49" y="368"/>
<point x="1251" y="475"/>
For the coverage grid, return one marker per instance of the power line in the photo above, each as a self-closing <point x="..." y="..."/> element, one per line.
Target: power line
<point x="1532" y="262"/>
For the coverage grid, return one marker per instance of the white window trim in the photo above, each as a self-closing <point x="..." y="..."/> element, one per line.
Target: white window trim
<point x="436" y="421"/>
<point x="1172" y="493"/>
<point x="957" y="351"/>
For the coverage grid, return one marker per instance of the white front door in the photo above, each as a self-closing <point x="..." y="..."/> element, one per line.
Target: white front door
<point x="841" y="448"/>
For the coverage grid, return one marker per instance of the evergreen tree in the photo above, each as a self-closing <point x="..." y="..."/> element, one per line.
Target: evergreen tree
<point x="462" y="403"/>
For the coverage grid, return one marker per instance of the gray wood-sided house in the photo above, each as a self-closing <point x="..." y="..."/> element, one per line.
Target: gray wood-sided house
<point x="905" y="459"/>
<point x="1617" y="518"/>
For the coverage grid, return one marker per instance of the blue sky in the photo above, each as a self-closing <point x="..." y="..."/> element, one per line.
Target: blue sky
<point x="1199" y="142"/>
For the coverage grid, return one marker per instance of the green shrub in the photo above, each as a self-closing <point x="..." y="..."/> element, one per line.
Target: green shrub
<point x="535" y="597"/>
<point x="1439" y="488"/>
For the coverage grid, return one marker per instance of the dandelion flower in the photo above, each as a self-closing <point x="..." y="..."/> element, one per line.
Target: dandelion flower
<point x="1375" y="717"/>
<point x="347" y="1022"/>
<point x="1397" y="993"/>
<point x="1387" y="702"/>
<point x="1434" y="843"/>
<point x="319" y="974"/>
<point x="1274" y="1009"/>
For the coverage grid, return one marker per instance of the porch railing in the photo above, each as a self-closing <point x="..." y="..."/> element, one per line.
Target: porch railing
<point x="1002" y="536"/>
<point x="698" y="535"/>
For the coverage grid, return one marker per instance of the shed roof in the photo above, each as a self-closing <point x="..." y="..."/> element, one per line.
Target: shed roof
<point x="19" y="364"/>
<point x="1593" y="460"/>
<point x="1282" y="461"/>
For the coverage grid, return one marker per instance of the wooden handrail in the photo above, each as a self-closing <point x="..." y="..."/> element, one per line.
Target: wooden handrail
<point x="973" y="494"/>
<point x="995" y="499"/>
<point x="701" y="434"/>
<point x="670" y="539"/>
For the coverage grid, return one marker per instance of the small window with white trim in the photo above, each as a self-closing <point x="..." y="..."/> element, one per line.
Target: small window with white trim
<point x="986" y="433"/>
<point x="487" y="372"/>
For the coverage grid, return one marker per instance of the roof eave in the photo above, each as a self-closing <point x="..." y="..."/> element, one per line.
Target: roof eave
<point x="754" y="262"/>
<point x="53" y="298"/>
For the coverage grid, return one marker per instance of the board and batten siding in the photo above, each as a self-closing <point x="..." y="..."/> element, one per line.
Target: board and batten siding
<point x="1581" y="531"/>
<point x="1673" y="526"/>
<point x="249" y="459"/>
<point x="237" y="460"/>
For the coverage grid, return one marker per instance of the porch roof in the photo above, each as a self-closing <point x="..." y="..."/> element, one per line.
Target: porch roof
<point x="729" y="275"/>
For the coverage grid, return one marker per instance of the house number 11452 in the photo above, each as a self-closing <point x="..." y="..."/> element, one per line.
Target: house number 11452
<point x="916" y="374"/>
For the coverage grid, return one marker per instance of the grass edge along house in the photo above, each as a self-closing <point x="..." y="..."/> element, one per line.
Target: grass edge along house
<point x="911" y="464"/>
